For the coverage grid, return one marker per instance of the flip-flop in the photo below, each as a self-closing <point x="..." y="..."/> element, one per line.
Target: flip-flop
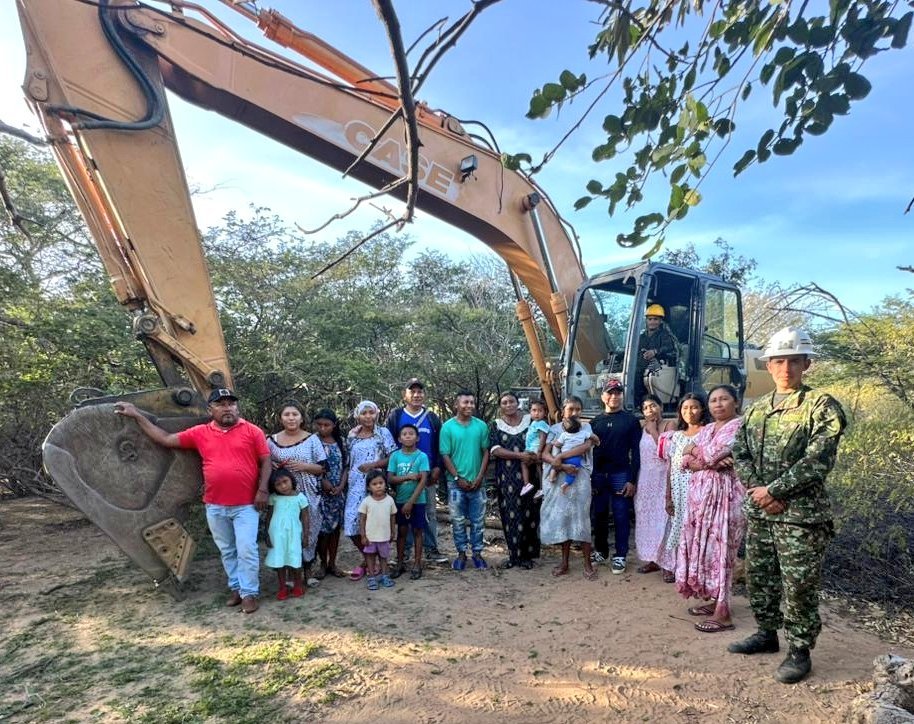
<point x="559" y="571"/>
<point x="706" y="610"/>
<point x="358" y="573"/>
<point x="712" y="626"/>
<point x="648" y="568"/>
<point x="669" y="578"/>
<point x="591" y="575"/>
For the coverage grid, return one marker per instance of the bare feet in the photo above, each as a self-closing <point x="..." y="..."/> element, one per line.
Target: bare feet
<point x="560" y="571"/>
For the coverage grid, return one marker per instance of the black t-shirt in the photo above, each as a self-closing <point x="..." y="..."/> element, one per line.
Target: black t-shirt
<point x="620" y="436"/>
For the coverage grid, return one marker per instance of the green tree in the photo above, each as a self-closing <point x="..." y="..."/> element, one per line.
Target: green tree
<point x="684" y="67"/>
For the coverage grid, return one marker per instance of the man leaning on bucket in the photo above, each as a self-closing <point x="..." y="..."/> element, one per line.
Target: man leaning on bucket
<point x="783" y="452"/>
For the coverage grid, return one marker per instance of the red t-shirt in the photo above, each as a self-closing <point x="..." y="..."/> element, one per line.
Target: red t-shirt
<point x="231" y="460"/>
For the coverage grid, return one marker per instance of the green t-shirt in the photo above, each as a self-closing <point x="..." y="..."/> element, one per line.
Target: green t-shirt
<point x="464" y="445"/>
<point x="402" y="463"/>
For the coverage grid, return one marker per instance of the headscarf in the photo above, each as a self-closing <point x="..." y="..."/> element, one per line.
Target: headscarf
<point x="364" y="405"/>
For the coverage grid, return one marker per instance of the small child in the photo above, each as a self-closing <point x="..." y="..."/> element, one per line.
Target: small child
<point x="287" y="532"/>
<point x="572" y="436"/>
<point x="409" y="469"/>
<point x="534" y="443"/>
<point x="377" y="523"/>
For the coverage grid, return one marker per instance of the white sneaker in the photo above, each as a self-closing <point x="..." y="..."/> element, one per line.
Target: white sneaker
<point x="618" y="565"/>
<point x="597" y="557"/>
<point x="526" y="489"/>
<point x="538" y="494"/>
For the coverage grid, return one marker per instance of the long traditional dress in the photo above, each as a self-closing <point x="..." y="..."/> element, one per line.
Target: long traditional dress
<point x="650" y="502"/>
<point x="714" y="523"/>
<point x="310" y="450"/>
<point x="671" y="446"/>
<point x="519" y="514"/>
<point x="363" y="450"/>
<point x="566" y="517"/>
<point x="332" y="506"/>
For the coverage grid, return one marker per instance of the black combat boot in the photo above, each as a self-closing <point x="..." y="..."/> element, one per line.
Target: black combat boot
<point x="761" y="642"/>
<point x="795" y="667"/>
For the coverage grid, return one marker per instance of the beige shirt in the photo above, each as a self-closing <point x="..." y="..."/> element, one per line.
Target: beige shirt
<point x="378" y="512"/>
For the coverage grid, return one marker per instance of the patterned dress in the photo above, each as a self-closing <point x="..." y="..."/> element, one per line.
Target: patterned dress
<point x="332" y="506"/>
<point x="566" y="517"/>
<point x="651" y="518"/>
<point x="310" y="450"/>
<point x="519" y="515"/>
<point x="363" y="450"/>
<point x="714" y="523"/>
<point x="671" y="446"/>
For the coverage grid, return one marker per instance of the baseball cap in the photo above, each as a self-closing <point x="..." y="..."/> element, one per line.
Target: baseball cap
<point x="219" y="394"/>
<point x="414" y="382"/>
<point x="612" y="385"/>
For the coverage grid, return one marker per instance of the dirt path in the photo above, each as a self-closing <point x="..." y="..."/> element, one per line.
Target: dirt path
<point x="519" y="645"/>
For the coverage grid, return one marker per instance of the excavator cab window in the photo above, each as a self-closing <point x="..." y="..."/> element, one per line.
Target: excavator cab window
<point x="602" y="329"/>
<point x="721" y="341"/>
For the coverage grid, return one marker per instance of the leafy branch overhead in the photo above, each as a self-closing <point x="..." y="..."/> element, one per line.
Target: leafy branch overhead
<point x="679" y="100"/>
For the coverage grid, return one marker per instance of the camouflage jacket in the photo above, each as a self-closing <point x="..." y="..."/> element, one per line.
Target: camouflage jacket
<point x="790" y="448"/>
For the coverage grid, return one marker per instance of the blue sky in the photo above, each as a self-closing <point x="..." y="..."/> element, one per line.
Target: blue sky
<point x="830" y="214"/>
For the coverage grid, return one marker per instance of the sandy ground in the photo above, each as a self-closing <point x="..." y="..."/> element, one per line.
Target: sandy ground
<point x="519" y="646"/>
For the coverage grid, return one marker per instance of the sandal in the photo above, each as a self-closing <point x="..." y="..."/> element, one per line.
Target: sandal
<point x="669" y="578"/>
<point x="386" y="582"/>
<point x="321" y="573"/>
<point x="712" y="626"/>
<point x="560" y="571"/>
<point x="334" y="571"/>
<point x="415" y="574"/>
<point x="706" y="610"/>
<point x="591" y="575"/>
<point x="372" y="583"/>
<point x="397" y="571"/>
<point x="648" y="568"/>
<point x="507" y="565"/>
<point x="358" y="573"/>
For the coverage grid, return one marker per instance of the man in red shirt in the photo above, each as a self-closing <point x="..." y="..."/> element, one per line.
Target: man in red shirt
<point x="236" y="471"/>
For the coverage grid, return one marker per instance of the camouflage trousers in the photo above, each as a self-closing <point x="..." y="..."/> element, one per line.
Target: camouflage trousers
<point x="785" y="560"/>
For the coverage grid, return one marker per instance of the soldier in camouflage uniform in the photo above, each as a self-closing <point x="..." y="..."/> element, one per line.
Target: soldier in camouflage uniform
<point x="782" y="453"/>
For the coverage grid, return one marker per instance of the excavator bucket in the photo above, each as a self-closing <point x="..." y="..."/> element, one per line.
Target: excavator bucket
<point x="135" y="491"/>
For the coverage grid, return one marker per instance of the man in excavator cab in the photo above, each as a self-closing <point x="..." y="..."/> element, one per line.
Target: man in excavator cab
<point x="657" y="348"/>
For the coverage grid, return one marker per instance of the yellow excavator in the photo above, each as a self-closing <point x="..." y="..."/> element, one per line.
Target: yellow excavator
<point x="96" y="77"/>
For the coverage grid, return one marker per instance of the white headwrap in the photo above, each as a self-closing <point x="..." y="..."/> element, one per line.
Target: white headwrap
<point x="364" y="405"/>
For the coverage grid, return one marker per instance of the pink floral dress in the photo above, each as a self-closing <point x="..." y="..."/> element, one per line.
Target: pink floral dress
<point x="714" y="524"/>
<point x="651" y="518"/>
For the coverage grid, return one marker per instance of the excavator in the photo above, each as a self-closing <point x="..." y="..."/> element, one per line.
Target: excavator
<point x="96" y="76"/>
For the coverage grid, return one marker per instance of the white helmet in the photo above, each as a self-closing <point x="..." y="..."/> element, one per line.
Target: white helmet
<point x="788" y="342"/>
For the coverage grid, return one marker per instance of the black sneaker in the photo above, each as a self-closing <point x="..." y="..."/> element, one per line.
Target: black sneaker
<point x="761" y="642"/>
<point x="795" y="667"/>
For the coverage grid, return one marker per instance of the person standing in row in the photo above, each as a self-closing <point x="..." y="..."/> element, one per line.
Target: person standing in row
<point x="565" y="519"/>
<point x="651" y="518"/>
<point x="369" y="447"/>
<point x="693" y="415"/>
<point x="714" y="523"/>
<point x="414" y="412"/>
<point x="783" y="453"/>
<point x="519" y="512"/>
<point x="465" y="455"/>
<point x="616" y="464"/>
<point x="333" y="490"/>
<point x="236" y="473"/>
<point x="301" y="453"/>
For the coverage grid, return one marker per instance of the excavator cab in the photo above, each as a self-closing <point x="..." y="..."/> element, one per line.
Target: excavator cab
<point x="701" y="328"/>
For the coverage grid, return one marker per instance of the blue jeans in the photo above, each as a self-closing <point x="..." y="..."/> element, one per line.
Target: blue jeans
<point x="607" y="496"/>
<point x="234" y="529"/>
<point x="466" y="507"/>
